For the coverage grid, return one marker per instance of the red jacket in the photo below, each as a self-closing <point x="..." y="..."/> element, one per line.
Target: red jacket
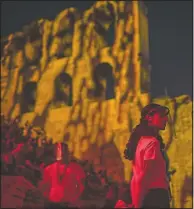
<point x="63" y="183"/>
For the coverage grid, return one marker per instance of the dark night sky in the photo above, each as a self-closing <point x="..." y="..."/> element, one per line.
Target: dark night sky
<point x="170" y="29"/>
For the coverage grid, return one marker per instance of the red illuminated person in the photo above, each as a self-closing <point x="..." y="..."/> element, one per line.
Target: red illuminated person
<point x="63" y="181"/>
<point x="146" y="150"/>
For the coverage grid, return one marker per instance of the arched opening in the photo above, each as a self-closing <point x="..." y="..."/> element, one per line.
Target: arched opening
<point x="63" y="90"/>
<point x="28" y="97"/>
<point x="104" y="81"/>
<point x="104" y="18"/>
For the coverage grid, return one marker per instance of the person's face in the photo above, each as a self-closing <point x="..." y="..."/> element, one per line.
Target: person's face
<point x="59" y="151"/>
<point x="158" y="120"/>
<point x="25" y="131"/>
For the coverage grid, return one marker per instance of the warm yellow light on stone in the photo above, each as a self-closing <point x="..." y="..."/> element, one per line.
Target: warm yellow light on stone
<point x="92" y="122"/>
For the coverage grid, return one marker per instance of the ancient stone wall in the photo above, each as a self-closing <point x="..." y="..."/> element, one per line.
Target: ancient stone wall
<point x="97" y="102"/>
<point x="52" y="74"/>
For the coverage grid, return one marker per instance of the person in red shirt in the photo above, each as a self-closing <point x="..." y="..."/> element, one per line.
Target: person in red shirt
<point x="63" y="181"/>
<point x="146" y="150"/>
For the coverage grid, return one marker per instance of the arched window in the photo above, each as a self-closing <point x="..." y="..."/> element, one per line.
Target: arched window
<point x="103" y="72"/>
<point x="28" y="97"/>
<point x="105" y="23"/>
<point x="63" y="90"/>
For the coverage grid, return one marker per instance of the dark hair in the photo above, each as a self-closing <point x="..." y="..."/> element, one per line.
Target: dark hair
<point x="152" y="108"/>
<point x="144" y="130"/>
<point x="140" y="130"/>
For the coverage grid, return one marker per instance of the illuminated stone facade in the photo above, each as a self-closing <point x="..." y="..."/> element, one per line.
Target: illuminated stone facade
<point x="55" y="74"/>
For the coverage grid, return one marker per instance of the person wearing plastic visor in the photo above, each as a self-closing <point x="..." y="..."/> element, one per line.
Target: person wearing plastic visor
<point x="146" y="150"/>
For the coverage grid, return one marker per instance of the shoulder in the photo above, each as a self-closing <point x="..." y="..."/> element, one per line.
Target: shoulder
<point x="147" y="142"/>
<point x="49" y="167"/>
<point x="73" y="166"/>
